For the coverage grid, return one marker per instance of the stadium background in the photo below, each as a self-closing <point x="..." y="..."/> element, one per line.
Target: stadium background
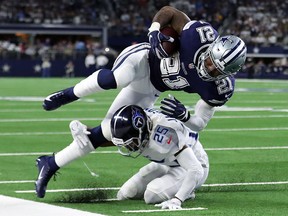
<point x="68" y="30"/>
<point x="246" y="140"/>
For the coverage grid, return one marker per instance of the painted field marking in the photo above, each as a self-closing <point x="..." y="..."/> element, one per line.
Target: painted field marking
<point x="17" y="182"/>
<point x="117" y="188"/>
<point x="244" y="129"/>
<point x="164" y="210"/>
<point x="247" y="148"/>
<point x="116" y="152"/>
<point x="100" y="119"/>
<point x="51" y="119"/>
<point x="49" y="153"/>
<point x="14" y="207"/>
<point x="206" y="130"/>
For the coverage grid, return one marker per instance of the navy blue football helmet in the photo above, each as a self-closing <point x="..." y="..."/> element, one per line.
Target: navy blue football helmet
<point x="129" y="128"/>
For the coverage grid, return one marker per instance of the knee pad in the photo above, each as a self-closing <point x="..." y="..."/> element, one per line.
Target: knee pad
<point x="132" y="189"/>
<point x="154" y="193"/>
<point x="126" y="193"/>
<point x="151" y="197"/>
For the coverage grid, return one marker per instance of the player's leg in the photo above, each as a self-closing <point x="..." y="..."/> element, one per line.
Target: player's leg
<point x="48" y="165"/>
<point x="134" y="188"/>
<point x="140" y="92"/>
<point x="167" y="186"/>
<point x="123" y="73"/>
<point x="96" y="137"/>
<point x="204" y="160"/>
<point x="164" y="187"/>
<point x="100" y="80"/>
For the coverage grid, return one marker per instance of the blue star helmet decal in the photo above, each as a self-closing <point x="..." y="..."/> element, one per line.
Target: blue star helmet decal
<point x="225" y="39"/>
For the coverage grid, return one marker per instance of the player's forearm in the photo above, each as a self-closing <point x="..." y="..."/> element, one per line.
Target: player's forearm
<point x="202" y="115"/>
<point x="194" y="174"/>
<point x="168" y="15"/>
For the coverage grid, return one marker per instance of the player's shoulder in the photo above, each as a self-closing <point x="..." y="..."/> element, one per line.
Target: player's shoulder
<point x="194" y="24"/>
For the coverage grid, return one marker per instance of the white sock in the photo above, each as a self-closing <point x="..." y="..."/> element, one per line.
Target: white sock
<point x="87" y="86"/>
<point x="71" y="153"/>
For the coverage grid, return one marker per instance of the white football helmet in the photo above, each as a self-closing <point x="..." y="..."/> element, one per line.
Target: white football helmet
<point x="228" y="55"/>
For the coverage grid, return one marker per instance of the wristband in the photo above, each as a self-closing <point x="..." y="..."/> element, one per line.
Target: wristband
<point x="155" y="26"/>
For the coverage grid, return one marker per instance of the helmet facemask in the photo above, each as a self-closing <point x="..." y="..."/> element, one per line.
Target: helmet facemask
<point x="132" y="147"/>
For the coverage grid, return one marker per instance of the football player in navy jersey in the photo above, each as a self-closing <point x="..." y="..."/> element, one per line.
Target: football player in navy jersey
<point x="204" y="64"/>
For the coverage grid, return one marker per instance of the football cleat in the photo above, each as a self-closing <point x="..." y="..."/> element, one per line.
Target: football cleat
<point x="57" y="99"/>
<point x="45" y="172"/>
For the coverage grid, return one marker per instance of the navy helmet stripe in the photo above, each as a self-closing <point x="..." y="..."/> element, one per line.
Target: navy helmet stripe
<point x="236" y="56"/>
<point x="232" y="50"/>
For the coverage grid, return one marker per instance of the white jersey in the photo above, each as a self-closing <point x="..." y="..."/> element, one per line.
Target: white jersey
<point x="179" y="164"/>
<point x="168" y="136"/>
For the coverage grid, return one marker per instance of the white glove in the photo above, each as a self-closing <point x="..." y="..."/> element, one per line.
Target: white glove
<point x="171" y="204"/>
<point x="79" y="133"/>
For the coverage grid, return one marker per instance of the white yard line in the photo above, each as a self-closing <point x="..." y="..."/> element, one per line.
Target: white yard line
<point x="100" y="119"/>
<point x="247" y="148"/>
<point x="164" y="210"/>
<point x="206" y="130"/>
<point x="16" y="207"/>
<point x="244" y="129"/>
<point x="17" y="182"/>
<point x="117" y="188"/>
<point x="51" y="119"/>
<point x="116" y="152"/>
<point x="48" y="153"/>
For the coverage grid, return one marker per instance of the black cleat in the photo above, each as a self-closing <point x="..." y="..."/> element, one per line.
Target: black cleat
<point x="44" y="175"/>
<point x="57" y="99"/>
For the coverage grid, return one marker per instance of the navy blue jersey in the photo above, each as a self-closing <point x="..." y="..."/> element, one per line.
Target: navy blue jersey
<point x="178" y="73"/>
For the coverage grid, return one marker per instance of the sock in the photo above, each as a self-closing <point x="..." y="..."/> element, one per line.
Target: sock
<point x="96" y="137"/>
<point x="71" y="153"/>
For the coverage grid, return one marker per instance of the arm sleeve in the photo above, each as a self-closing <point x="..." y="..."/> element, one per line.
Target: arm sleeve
<point x="195" y="172"/>
<point x="202" y="115"/>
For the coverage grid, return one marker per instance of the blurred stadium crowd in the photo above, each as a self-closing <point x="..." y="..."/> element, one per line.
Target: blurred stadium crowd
<point x="258" y="23"/>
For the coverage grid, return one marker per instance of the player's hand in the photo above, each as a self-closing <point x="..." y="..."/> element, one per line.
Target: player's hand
<point x="155" y="39"/>
<point x="80" y="133"/>
<point x="172" y="204"/>
<point x="174" y="108"/>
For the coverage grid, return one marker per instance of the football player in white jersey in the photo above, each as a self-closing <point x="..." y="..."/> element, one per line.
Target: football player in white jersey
<point x="179" y="165"/>
<point x="203" y="65"/>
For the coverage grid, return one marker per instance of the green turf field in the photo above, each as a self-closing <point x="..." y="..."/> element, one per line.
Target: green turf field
<point x="247" y="144"/>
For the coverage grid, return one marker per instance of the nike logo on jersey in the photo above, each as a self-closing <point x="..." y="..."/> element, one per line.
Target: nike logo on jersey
<point x="169" y="140"/>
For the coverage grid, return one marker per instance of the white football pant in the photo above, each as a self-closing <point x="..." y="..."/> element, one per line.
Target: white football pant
<point x="156" y="183"/>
